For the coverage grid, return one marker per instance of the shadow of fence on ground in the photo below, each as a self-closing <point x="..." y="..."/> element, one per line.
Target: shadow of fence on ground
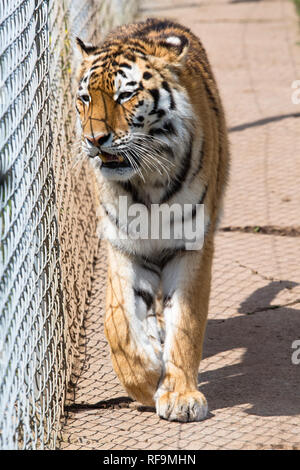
<point x="265" y="378"/>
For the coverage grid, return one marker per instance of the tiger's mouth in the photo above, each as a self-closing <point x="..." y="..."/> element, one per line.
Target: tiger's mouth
<point x="112" y="161"/>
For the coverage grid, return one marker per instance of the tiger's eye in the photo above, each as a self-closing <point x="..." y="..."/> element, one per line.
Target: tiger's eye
<point x="85" y="98"/>
<point x="124" y="95"/>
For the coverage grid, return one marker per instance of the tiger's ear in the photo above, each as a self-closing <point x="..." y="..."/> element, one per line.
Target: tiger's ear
<point x="177" y="47"/>
<point x="85" y="48"/>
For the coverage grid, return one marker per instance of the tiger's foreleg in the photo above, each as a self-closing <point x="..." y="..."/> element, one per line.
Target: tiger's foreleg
<point x="131" y="327"/>
<point x="186" y="286"/>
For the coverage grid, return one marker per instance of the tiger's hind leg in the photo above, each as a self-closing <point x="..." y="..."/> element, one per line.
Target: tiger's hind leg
<point x="131" y="327"/>
<point x="186" y="285"/>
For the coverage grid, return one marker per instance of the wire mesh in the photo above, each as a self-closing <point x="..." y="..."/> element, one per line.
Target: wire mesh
<point x="47" y="211"/>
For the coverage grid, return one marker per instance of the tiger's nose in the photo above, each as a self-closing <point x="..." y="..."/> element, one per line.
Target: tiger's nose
<point x="98" y="140"/>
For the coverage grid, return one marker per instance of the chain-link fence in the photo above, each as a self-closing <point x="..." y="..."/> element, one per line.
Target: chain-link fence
<point x="47" y="210"/>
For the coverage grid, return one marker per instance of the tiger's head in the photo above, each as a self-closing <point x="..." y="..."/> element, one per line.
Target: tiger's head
<point x="134" y="109"/>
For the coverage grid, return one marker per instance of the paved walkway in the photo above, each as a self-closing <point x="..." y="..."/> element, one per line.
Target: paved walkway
<point x="247" y="373"/>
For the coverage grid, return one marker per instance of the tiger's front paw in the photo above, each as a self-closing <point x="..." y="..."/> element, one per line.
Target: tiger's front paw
<point x="184" y="407"/>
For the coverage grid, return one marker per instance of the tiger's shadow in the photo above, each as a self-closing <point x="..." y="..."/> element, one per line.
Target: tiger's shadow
<point x="265" y="377"/>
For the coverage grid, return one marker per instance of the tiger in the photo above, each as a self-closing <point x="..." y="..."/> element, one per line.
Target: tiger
<point x="153" y="127"/>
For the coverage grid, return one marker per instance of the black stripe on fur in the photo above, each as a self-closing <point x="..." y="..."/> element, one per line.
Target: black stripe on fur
<point x="146" y="296"/>
<point x="181" y="177"/>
